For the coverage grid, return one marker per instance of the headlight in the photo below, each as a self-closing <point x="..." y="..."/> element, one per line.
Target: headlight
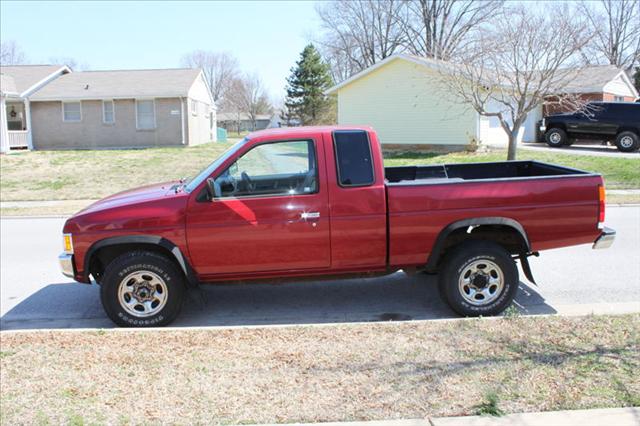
<point x="67" y="243"/>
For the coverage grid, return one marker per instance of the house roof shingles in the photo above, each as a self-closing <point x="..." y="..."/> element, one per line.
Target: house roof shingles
<point x="7" y="85"/>
<point x="26" y="76"/>
<point x="119" y="84"/>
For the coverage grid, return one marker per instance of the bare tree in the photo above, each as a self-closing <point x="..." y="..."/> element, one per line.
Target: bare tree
<point x="70" y="62"/>
<point x="616" y="27"/>
<point x="220" y="69"/>
<point x="359" y="33"/>
<point x="525" y="61"/>
<point x="437" y="28"/>
<point x="11" y="53"/>
<point x="247" y="95"/>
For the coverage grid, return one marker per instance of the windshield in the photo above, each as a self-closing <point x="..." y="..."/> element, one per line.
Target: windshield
<point x="211" y="167"/>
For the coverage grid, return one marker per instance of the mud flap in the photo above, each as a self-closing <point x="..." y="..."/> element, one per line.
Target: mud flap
<point x="526" y="268"/>
<point x="198" y="296"/>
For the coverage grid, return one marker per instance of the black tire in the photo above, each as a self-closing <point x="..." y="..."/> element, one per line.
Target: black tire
<point x="464" y="258"/>
<point x="569" y="142"/>
<point x="627" y="141"/>
<point x="152" y="276"/>
<point x="556" y="137"/>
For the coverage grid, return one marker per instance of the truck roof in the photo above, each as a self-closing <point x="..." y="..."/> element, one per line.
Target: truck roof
<point x="292" y="131"/>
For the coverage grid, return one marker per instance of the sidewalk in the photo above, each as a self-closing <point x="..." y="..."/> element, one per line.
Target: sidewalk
<point x="596" y="417"/>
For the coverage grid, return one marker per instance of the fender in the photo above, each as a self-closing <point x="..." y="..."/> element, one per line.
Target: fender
<point x="142" y="239"/>
<point x="465" y="223"/>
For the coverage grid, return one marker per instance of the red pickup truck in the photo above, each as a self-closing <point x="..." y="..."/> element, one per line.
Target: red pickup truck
<point x="318" y="202"/>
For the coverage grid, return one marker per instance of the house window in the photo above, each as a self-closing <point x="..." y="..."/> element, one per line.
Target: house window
<point x="108" y="114"/>
<point x="71" y="111"/>
<point x="194" y="107"/>
<point x="145" y="115"/>
<point x="618" y="99"/>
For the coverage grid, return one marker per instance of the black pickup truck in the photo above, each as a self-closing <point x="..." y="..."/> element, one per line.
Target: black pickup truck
<point x="617" y="122"/>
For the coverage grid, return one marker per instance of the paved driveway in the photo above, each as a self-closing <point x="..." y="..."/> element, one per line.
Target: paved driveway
<point x="594" y="149"/>
<point x="33" y="293"/>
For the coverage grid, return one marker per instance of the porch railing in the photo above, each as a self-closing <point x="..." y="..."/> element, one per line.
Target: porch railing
<point x="18" y="139"/>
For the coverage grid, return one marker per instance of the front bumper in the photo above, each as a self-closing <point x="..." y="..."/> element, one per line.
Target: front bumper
<point x="66" y="265"/>
<point x="606" y="238"/>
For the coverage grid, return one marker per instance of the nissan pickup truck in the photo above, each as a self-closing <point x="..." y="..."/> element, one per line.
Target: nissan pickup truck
<point x="317" y="202"/>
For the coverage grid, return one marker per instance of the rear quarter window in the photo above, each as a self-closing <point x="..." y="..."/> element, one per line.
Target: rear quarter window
<point x="354" y="161"/>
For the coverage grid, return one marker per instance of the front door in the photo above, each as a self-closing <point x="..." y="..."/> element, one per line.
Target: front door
<point x="270" y="214"/>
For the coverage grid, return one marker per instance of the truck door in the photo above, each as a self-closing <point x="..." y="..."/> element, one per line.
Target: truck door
<point x="270" y="213"/>
<point x="357" y="201"/>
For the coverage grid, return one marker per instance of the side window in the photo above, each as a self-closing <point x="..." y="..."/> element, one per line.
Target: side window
<point x="280" y="168"/>
<point x="353" y="158"/>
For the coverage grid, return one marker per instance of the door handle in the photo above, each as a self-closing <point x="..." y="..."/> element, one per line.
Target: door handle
<point x="309" y="215"/>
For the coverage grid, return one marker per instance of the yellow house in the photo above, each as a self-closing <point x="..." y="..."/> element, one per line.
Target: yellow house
<point x="402" y="99"/>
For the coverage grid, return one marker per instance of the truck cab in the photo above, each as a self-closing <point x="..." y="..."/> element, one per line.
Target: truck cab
<point x="289" y="204"/>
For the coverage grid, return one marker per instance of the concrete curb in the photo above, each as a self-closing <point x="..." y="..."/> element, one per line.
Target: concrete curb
<point x="595" y="417"/>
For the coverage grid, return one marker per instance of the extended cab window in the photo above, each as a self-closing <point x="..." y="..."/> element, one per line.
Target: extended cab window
<point x="280" y="168"/>
<point x="353" y="158"/>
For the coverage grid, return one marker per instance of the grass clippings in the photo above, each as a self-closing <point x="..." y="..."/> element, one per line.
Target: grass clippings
<point x="319" y="374"/>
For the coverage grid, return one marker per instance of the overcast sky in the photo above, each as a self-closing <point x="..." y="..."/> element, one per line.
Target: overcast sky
<point x="265" y="36"/>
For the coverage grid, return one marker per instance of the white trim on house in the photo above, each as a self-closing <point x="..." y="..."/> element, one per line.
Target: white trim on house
<point x="153" y="103"/>
<point x="627" y="81"/>
<point x="113" y="111"/>
<point x="64" y="120"/>
<point x="183" y="101"/>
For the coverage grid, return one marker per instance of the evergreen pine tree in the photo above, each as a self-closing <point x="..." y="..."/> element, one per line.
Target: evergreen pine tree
<point x="306" y="85"/>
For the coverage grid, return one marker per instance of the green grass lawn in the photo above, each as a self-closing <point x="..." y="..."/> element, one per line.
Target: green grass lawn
<point x="87" y="175"/>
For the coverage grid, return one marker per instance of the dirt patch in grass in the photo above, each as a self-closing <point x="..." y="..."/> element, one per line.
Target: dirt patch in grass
<point x="77" y="175"/>
<point x="314" y="374"/>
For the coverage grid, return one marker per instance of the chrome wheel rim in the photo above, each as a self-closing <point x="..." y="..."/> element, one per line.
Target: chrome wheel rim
<point x="555" y="137"/>
<point x="481" y="282"/>
<point x="142" y="294"/>
<point x="626" y="142"/>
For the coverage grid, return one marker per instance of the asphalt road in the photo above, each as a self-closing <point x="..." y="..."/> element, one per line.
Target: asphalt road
<point x="34" y="294"/>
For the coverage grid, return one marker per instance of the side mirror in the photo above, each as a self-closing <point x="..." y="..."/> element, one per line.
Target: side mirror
<point x="213" y="190"/>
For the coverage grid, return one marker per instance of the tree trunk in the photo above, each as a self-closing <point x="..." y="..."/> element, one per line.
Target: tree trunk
<point x="513" y="146"/>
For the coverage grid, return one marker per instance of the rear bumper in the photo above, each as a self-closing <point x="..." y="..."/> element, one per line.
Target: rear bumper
<point x="606" y="238"/>
<point x="66" y="265"/>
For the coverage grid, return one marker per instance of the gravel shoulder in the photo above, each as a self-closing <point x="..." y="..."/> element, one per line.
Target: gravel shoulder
<point x="316" y="374"/>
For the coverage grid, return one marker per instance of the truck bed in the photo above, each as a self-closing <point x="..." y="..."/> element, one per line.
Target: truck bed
<point x="445" y="173"/>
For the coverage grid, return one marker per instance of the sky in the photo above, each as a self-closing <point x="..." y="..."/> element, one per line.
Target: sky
<point x="265" y="36"/>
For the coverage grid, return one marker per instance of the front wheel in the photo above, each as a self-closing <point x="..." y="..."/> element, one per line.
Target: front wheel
<point x="479" y="278"/>
<point x="556" y="138"/>
<point x="142" y="289"/>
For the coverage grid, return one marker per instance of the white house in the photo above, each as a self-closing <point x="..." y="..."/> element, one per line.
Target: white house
<point x="403" y="99"/>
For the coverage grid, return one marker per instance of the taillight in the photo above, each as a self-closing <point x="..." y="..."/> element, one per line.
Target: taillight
<point x="601" y="203"/>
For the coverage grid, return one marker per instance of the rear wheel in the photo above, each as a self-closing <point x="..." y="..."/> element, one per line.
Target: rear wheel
<point x="556" y="138"/>
<point x="479" y="278"/>
<point x="627" y="141"/>
<point x="142" y="289"/>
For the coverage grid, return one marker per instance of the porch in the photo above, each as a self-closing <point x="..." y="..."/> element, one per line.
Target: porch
<point x="16" y="124"/>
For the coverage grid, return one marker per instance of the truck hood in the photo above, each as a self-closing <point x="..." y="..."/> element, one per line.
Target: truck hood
<point x="133" y="196"/>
